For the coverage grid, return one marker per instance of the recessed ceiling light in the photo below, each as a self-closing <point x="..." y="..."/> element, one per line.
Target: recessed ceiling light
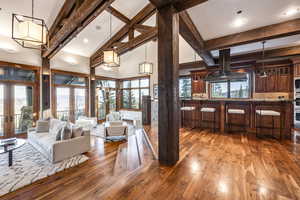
<point x="98" y="27"/>
<point x="239" y="22"/>
<point x="291" y="12"/>
<point x="71" y="60"/>
<point x="85" y="40"/>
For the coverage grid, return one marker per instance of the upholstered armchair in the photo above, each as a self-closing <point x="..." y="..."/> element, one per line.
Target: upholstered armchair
<point x="114" y="116"/>
<point x="115" y="128"/>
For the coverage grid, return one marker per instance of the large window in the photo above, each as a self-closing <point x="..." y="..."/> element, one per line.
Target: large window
<point x="132" y="92"/>
<point x="230" y="89"/>
<point x="185" y="87"/>
<point x="106" y="97"/>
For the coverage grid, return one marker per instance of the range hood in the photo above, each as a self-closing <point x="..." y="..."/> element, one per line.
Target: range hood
<point x="225" y="73"/>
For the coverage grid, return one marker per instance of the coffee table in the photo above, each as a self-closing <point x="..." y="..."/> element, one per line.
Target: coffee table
<point x="9" y="149"/>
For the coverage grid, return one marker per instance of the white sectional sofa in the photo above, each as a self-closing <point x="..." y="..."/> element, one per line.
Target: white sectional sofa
<point x="54" y="150"/>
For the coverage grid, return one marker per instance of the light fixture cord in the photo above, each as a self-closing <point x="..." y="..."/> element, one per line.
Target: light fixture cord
<point x="32" y="6"/>
<point x="263" y="43"/>
<point x="195" y="57"/>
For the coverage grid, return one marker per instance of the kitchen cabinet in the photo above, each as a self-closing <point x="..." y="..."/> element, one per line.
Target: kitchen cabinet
<point x="279" y="79"/>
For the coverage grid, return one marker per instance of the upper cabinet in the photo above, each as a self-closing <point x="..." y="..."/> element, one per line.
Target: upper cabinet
<point x="198" y="83"/>
<point x="279" y="79"/>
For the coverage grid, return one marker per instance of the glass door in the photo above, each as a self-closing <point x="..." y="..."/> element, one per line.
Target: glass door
<point x="63" y="103"/>
<point x="3" y="114"/>
<point x="22" y="115"/>
<point x="79" y="100"/>
<point x="101" y="104"/>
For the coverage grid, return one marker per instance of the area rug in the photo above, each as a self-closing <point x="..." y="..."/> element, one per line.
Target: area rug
<point x="99" y="132"/>
<point x="29" y="166"/>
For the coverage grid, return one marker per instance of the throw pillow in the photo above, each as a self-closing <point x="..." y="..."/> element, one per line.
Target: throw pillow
<point x="42" y="126"/>
<point x="66" y="133"/>
<point x="58" y="134"/>
<point x="77" y="131"/>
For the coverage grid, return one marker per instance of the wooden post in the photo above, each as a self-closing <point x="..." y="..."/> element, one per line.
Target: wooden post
<point x="45" y="85"/>
<point x="92" y="92"/>
<point x="168" y="94"/>
<point x="146" y="110"/>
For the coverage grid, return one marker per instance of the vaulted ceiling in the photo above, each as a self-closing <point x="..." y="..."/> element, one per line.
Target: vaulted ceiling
<point x="213" y="19"/>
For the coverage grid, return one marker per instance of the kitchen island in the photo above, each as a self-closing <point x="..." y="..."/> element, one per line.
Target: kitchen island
<point x="283" y="106"/>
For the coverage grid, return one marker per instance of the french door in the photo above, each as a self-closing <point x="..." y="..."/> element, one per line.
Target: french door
<point x="70" y="103"/>
<point x="17" y="109"/>
<point x="106" y="102"/>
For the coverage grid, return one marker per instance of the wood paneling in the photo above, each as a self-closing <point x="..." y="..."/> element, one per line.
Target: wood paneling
<point x="168" y="74"/>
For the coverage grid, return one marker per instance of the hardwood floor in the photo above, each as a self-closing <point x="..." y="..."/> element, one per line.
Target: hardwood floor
<point x="211" y="166"/>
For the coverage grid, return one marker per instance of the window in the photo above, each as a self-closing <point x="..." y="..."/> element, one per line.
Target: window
<point x="230" y="89"/>
<point x="185" y="87"/>
<point x="132" y="92"/>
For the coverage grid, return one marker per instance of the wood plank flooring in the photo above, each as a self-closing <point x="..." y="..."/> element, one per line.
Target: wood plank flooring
<point x="212" y="166"/>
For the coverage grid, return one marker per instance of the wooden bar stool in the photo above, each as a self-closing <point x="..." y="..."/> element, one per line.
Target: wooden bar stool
<point x="234" y="111"/>
<point x="209" y="110"/>
<point x="189" y="119"/>
<point x="259" y="113"/>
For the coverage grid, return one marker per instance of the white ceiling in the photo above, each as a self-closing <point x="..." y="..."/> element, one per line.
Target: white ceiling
<point x="215" y="18"/>
<point x="96" y="37"/>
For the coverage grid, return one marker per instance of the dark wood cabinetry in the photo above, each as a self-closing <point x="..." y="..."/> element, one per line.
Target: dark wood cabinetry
<point x="198" y="83"/>
<point x="279" y="79"/>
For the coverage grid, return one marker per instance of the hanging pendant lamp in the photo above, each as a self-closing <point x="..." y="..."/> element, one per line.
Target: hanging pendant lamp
<point x="263" y="73"/>
<point x="146" y="67"/>
<point x="111" y="57"/>
<point x="29" y="32"/>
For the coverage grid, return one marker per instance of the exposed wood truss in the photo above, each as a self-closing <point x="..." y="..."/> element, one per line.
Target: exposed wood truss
<point x="191" y="35"/>
<point x="283" y="29"/>
<point x="179" y="5"/>
<point x="118" y="15"/>
<point x="68" y="24"/>
<point x="128" y="30"/>
<point x="250" y="58"/>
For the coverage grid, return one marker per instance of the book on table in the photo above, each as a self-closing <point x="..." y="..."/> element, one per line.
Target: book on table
<point x="8" y="141"/>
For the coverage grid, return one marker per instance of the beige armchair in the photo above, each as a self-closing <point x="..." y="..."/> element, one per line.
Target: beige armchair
<point x="113" y="129"/>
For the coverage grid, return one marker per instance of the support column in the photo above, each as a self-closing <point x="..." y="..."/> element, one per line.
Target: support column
<point x="168" y="94"/>
<point x="92" y="92"/>
<point x="45" y="85"/>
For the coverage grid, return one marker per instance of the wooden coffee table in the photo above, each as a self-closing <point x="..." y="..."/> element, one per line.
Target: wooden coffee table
<point x="10" y="148"/>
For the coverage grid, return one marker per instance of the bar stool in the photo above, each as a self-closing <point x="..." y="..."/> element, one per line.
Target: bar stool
<point x="233" y="111"/>
<point x="261" y="113"/>
<point x="189" y="119"/>
<point x="209" y="110"/>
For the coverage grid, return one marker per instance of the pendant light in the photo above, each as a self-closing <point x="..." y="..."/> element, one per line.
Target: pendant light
<point x="146" y="67"/>
<point x="263" y="74"/>
<point x="29" y="32"/>
<point x="111" y="58"/>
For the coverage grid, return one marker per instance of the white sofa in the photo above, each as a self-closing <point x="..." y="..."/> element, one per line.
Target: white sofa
<point x="56" y="151"/>
<point x="87" y="123"/>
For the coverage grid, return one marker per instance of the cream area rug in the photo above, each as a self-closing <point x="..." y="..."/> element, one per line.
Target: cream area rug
<point x="29" y="166"/>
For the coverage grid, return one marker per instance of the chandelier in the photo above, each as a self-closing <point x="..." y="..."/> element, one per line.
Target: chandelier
<point x="110" y="56"/>
<point x="146" y="67"/>
<point x="29" y="32"/>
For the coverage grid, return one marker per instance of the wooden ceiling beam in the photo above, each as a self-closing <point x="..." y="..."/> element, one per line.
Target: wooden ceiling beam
<point x="137" y="41"/>
<point x="274" y="31"/>
<point x="97" y="58"/>
<point x="142" y="28"/>
<point x="179" y="5"/>
<point x="249" y="58"/>
<point x="77" y="21"/>
<point x="118" y="14"/>
<point x="191" y="35"/>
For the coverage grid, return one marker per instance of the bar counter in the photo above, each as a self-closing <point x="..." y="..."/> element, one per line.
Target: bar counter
<point x="284" y="106"/>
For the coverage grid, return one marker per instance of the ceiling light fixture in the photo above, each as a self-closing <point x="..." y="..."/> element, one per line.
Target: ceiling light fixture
<point x="110" y="56"/>
<point x="106" y="68"/>
<point x="146" y="67"/>
<point x="85" y="40"/>
<point x="239" y="22"/>
<point x="291" y="12"/>
<point x="29" y="32"/>
<point x="71" y="60"/>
